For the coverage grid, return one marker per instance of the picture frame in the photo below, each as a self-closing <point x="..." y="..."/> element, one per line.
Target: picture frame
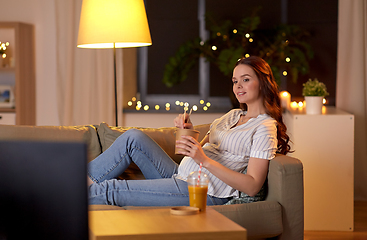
<point x="6" y="96"/>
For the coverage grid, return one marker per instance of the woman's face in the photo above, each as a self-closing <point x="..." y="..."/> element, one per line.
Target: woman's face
<point x="246" y="85"/>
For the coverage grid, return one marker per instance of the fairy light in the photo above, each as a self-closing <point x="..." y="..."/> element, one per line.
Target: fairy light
<point x="247" y="55"/>
<point x="323" y="101"/>
<point x="285" y="73"/>
<point x="288" y="59"/>
<point x="234" y="31"/>
<point x="214" y="48"/>
<point x="251" y="40"/>
<point x="247" y="35"/>
<point x="300" y="104"/>
<point x="133" y="99"/>
<point x="218" y="34"/>
<point x="167" y="106"/>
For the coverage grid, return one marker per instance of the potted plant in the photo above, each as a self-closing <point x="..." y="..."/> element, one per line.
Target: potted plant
<point x="314" y="92"/>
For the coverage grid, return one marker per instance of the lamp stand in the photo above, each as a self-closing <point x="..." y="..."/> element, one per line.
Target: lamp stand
<point x="115" y="82"/>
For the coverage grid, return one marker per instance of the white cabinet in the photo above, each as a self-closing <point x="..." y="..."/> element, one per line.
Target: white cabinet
<point x="325" y="145"/>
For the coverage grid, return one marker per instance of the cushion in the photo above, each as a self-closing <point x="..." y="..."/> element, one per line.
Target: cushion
<point x="86" y="134"/>
<point x="164" y="136"/>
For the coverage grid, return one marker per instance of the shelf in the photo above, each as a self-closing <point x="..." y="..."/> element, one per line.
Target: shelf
<point x="22" y="74"/>
<point x="7" y="110"/>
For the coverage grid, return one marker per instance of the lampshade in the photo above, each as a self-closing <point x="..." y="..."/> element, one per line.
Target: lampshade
<point x="104" y="23"/>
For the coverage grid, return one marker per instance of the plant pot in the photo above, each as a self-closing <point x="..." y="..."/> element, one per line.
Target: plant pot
<point x="313" y="104"/>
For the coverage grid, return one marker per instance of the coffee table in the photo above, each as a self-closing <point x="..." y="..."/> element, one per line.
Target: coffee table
<point x="160" y="224"/>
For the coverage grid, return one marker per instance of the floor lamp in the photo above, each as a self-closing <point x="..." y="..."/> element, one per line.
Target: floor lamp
<point x="113" y="24"/>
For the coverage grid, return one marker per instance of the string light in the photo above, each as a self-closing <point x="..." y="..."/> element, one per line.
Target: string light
<point x="251" y="40"/>
<point x="234" y="31"/>
<point x="214" y="48"/>
<point x="287" y="59"/>
<point x="285" y="73"/>
<point x="247" y="35"/>
<point x="139" y="105"/>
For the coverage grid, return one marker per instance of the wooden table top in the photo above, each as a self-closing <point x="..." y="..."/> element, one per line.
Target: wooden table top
<point x="161" y="224"/>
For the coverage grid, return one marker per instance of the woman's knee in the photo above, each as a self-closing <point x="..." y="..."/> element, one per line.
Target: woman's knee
<point x="134" y="133"/>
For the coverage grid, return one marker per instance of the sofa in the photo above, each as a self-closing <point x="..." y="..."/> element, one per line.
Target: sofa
<point x="279" y="216"/>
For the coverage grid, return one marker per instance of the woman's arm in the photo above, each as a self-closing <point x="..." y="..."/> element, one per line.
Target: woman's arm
<point x="249" y="183"/>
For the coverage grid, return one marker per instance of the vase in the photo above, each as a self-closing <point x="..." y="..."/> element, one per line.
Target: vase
<point x="314" y="104"/>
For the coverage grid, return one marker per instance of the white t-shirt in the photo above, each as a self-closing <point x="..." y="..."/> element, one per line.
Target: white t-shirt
<point x="233" y="147"/>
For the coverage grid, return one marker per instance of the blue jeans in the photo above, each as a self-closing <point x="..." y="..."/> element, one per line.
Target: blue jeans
<point x="160" y="188"/>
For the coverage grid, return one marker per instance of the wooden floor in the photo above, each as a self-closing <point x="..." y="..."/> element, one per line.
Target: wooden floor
<point x="360" y="227"/>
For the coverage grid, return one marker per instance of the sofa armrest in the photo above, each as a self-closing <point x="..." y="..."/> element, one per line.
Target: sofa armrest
<point x="285" y="186"/>
<point x="261" y="219"/>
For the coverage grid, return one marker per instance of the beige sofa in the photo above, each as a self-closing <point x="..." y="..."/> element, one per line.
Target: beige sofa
<point x="280" y="215"/>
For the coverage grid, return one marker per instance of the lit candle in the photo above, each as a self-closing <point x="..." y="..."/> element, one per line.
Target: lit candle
<point x="294" y="105"/>
<point x="285" y="99"/>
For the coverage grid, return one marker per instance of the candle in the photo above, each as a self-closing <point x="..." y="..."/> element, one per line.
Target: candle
<point x="294" y="105"/>
<point x="285" y="99"/>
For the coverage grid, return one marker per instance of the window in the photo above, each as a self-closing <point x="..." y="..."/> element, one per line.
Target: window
<point x="174" y="22"/>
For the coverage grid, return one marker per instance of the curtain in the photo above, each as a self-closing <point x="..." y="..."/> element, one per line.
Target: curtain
<point x="85" y="80"/>
<point x="351" y="85"/>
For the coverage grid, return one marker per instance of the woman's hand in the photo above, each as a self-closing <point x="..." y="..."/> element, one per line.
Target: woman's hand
<point x="190" y="147"/>
<point x="183" y="121"/>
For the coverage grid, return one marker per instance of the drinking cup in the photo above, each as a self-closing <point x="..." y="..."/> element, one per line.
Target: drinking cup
<point x="198" y="189"/>
<point x="185" y="132"/>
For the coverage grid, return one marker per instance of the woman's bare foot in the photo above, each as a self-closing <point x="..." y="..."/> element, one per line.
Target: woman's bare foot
<point x="89" y="181"/>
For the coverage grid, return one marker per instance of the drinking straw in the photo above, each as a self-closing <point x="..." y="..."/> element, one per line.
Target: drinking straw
<point x="201" y="165"/>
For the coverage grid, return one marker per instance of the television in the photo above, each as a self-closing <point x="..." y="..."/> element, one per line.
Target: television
<point x="43" y="190"/>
